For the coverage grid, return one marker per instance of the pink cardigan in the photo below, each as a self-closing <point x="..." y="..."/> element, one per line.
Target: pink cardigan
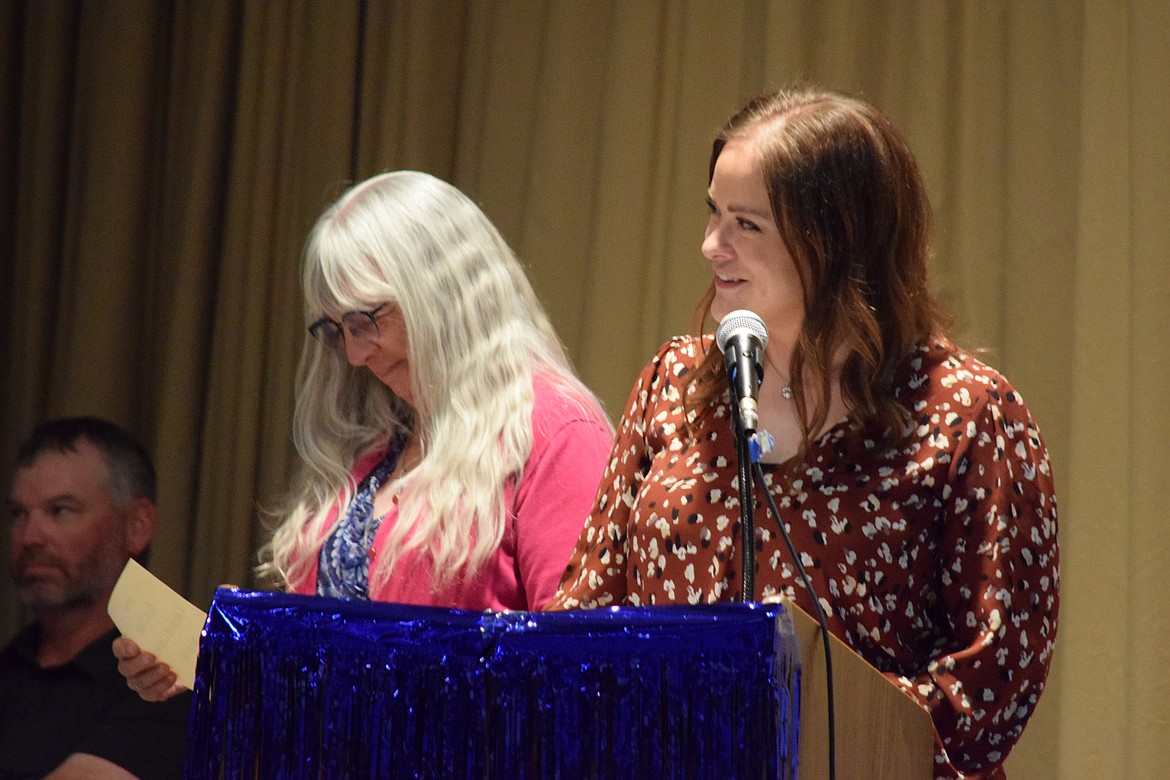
<point x="548" y="509"/>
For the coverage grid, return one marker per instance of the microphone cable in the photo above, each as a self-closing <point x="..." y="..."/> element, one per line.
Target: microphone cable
<point x="820" y="613"/>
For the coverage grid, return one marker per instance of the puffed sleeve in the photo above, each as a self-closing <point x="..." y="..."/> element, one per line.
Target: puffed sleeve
<point x="998" y="578"/>
<point x="596" y="574"/>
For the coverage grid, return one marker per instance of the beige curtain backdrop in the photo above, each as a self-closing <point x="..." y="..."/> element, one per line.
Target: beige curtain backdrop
<point x="161" y="164"/>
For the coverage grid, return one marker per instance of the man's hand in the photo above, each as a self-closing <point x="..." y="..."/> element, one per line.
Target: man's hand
<point x="151" y="680"/>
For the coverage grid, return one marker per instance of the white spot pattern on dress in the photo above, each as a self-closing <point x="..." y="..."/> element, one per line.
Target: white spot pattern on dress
<point x="936" y="559"/>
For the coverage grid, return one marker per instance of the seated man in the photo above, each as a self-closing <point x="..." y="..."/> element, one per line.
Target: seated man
<point x="82" y="503"/>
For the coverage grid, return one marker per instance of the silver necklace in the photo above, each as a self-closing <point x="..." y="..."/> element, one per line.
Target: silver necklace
<point x="785" y="391"/>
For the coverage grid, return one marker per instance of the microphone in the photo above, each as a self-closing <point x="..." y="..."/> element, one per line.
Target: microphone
<point x="742" y="337"/>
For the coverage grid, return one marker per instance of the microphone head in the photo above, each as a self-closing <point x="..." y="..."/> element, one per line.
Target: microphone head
<point x="741" y="321"/>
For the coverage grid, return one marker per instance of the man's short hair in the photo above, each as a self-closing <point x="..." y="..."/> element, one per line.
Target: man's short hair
<point x="131" y="471"/>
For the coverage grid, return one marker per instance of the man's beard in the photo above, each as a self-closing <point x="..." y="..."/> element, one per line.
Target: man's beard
<point x="84" y="587"/>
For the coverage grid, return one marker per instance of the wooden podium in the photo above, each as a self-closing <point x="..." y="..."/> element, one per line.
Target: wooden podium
<point x="299" y="687"/>
<point x="881" y="733"/>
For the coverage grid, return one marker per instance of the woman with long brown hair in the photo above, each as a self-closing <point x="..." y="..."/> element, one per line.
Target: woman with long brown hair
<point x="910" y="476"/>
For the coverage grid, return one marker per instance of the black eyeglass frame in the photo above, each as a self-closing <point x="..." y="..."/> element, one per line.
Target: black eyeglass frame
<point x="328" y="331"/>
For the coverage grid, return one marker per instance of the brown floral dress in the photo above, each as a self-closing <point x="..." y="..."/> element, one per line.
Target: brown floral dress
<point x="935" y="559"/>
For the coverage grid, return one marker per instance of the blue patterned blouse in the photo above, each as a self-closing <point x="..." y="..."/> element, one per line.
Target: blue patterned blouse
<point x="344" y="567"/>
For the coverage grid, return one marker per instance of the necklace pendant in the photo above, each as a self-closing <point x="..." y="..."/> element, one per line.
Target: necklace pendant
<point x="786" y="391"/>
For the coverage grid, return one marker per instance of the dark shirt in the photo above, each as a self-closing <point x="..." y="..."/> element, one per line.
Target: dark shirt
<point x="83" y="706"/>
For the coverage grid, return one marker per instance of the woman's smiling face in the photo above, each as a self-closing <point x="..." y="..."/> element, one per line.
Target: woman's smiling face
<point x="752" y="266"/>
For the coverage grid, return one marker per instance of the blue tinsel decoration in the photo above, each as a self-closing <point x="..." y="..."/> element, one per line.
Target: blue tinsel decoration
<point x="305" y="687"/>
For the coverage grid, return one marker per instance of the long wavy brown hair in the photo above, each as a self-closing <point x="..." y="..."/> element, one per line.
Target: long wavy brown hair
<point x="852" y="209"/>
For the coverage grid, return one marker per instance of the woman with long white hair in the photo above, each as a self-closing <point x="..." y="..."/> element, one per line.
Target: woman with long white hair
<point x="449" y="453"/>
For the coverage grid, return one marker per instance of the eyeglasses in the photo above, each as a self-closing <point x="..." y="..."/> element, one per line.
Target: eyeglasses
<point x="362" y="326"/>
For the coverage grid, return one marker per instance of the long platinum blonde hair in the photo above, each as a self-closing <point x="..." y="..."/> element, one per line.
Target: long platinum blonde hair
<point x="477" y="338"/>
